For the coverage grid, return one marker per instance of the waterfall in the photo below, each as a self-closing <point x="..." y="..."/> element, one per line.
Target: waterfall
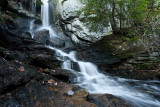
<point x="95" y="82"/>
<point x="45" y="13"/>
<point x="90" y="78"/>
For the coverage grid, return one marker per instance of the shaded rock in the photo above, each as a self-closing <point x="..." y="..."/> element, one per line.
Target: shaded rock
<point x="64" y="75"/>
<point x="8" y="55"/>
<point x="107" y="101"/>
<point x="4" y="4"/>
<point x="75" y="66"/>
<point x="39" y="94"/>
<point x="17" y="7"/>
<point x="26" y="35"/>
<point x="11" y="24"/>
<point x="38" y="22"/>
<point x="14" y="74"/>
<point x="44" y="61"/>
<point x="0" y="16"/>
<point x="57" y="42"/>
<point x="23" y="24"/>
<point x="42" y="36"/>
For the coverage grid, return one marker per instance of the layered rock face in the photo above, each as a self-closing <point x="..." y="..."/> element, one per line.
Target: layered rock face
<point x="72" y="22"/>
<point x="17" y="7"/>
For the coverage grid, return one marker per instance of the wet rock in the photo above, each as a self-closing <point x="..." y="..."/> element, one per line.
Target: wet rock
<point x="75" y="66"/>
<point x="107" y="101"/>
<point x="14" y="74"/>
<point x="44" y="61"/>
<point x="43" y="94"/>
<point x="42" y="36"/>
<point x="63" y="75"/>
<point x="24" y="82"/>
<point x="35" y="24"/>
<point x="23" y="24"/>
<point x="11" y="24"/>
<point x="38" y="22"/>
<point x="57" y="42"/>
<point x="26" y="35"/>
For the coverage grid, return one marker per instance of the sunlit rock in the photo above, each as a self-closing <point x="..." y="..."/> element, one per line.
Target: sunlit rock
<point x="72" y="23"/>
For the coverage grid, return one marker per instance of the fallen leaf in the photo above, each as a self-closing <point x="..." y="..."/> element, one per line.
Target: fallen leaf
<point x="21" y="70"/>
<point x="51" y="81"/>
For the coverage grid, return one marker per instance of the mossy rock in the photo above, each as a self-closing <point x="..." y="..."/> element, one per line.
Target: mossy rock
<point x="120" y="46"/>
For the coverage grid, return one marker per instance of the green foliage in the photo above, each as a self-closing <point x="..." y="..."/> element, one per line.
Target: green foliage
<point x="63" y="1"/>
<point x="133" y="14"/>
<point x="39" y="3"/>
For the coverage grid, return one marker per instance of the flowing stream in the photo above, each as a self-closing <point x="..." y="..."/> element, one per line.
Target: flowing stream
<point x="140" y="93"/>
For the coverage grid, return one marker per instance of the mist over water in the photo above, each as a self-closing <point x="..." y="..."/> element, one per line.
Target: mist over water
<point x="90" y="78"/>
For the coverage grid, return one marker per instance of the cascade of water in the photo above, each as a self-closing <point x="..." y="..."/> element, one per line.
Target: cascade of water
<point x="95" y="82"/>
<point x="32" y="9"/>
<point x="45" y="13"/>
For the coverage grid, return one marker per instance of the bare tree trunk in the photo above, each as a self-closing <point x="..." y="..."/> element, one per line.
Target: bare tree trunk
<point x="113" y="22"/>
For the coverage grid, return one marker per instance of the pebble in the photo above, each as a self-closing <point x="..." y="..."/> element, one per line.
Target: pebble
<point x="70" y="92"/>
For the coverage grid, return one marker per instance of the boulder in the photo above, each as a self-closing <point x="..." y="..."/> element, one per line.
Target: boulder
<point x="72" y="24"/>
<point x="75" y="66"/>
<point x="63" y="75"/>
<point x="38" y="22"/>
<point x="44" y="61"/>
<point x="42" y="36"/>
<point x="57" y="42"/>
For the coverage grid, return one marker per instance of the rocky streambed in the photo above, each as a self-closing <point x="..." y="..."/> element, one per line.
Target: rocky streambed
<point x="31" y="75"/>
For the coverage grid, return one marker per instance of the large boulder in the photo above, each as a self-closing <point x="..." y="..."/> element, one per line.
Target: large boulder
<point x="42" y="36"/>
<point x="72" y="24"/>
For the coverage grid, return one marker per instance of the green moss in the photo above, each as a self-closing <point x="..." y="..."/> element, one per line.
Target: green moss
<point x="144" y="66"/>
<point x="63" y="1"/>
<point x="39" y="3"/>
<point x="124" y="38"/>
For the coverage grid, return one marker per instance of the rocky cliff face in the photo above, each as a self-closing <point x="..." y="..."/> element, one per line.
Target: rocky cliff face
<point x="72" y="22"/>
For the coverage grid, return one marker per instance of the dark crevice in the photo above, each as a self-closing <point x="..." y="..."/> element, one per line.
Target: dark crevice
<point x="11" y="88"/>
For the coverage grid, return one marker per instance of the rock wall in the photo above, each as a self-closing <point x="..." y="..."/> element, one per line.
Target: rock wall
<point x="17" y="7"/>
<point x="72" y="22"/>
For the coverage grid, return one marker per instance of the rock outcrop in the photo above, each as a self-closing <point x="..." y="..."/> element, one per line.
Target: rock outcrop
<point x="72" y="22"/>
<point x="17" y="7"/>
<point x="42" y="36"/>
